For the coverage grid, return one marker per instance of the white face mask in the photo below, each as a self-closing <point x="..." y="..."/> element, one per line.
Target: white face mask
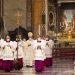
<point x="7" y="39"/>
<point x="30" y="38"/>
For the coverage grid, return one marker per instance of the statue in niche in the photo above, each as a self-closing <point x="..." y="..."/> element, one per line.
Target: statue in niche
<point x="51" y="21"/>
<point x="50" y="18"/>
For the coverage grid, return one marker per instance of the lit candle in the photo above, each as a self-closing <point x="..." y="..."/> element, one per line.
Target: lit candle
<point x="39" y="29"/>
<point x="60" y="25"/>
<point x="73" y="23"/>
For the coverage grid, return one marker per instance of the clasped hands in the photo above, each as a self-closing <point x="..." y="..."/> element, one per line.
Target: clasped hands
<point x="8" y="45"/>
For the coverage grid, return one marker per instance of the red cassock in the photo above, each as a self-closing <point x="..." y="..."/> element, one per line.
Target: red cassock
<point x="39" y="60"/>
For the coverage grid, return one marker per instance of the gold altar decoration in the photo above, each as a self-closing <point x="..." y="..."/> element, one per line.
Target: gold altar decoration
<point x="67" y="37"/>
<point x="69" y="34"/>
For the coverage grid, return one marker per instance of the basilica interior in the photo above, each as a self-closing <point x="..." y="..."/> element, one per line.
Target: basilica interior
<point x="42" y="17"/>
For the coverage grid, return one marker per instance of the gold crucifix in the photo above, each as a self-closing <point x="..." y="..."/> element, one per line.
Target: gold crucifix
<point x="18" y="15"/>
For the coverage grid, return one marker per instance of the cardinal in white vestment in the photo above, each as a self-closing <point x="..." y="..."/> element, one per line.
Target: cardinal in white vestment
<point x="8" y="55"/>
<point x="29" y="51"/>
<point x="1" y="52"/>
<point x="39" y="46"/>
<point x="48" y="52"/>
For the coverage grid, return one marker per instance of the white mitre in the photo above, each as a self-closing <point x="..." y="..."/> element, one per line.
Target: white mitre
<point x="30" y="34"/>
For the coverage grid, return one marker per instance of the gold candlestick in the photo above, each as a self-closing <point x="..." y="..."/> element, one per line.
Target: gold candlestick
<point x="69" y="34"/>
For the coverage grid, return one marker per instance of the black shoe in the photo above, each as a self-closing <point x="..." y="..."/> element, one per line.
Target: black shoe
<point x="7" y="70"/>
<point x="29" y="66"/>
<point x="38" y="71"/>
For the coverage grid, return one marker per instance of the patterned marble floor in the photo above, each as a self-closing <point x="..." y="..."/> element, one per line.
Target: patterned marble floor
<point x="60" y="67"/>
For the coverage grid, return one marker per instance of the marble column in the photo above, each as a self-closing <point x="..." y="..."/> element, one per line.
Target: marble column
<point x="36" y="16"/>
<point x="1" y="7"/>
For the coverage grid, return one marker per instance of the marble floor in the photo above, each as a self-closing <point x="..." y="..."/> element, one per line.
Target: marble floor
<point x="60" y="67"/>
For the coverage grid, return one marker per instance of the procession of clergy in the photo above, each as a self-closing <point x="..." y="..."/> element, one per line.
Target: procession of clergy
<point x="30" y="53"/>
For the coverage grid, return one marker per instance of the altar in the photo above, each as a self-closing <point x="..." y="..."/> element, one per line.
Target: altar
<point x="65" y="46"/>
<point x="65" y="31"/>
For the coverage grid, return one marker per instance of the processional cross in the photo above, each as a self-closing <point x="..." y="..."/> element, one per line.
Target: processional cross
<point x="18" y="18"/>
